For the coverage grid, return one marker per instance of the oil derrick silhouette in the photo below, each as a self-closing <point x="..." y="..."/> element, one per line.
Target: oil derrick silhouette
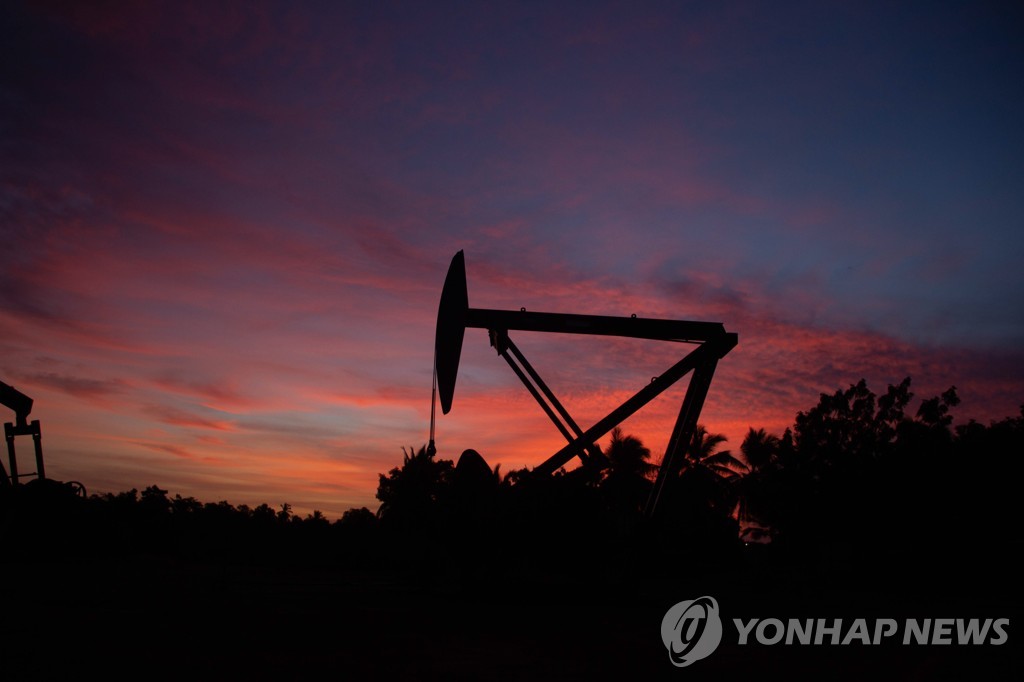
<point x="710" y="340"/>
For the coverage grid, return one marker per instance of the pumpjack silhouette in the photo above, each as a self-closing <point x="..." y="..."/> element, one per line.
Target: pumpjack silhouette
<point x="454" y="316"/>
<point x="21" y="405"/>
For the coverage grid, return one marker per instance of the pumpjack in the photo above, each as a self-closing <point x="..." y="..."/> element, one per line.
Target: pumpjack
<point x="21" y="404"/>
<point x="709" y="341"/>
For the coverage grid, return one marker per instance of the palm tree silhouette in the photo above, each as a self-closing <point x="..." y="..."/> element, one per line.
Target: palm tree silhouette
<point x="702" y="455"/>
<point x="709" y="473"/>
<point x="628" y="456"/>
<point x="758" y="449"/>
<point x="627" y="479"/>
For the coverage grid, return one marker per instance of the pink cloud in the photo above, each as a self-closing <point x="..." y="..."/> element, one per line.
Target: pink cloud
<point x="80" y="387"/>
<point x="176" y="417"/>
<point x="175" y="450"/>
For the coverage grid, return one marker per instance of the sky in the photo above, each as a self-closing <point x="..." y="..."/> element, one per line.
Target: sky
<point x="225" y="226"/>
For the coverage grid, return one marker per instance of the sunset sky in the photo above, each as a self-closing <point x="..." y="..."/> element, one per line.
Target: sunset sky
<point x="226" y="226"/>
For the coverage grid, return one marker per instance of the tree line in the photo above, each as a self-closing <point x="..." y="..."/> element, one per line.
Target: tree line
<point x="857" y="474"/>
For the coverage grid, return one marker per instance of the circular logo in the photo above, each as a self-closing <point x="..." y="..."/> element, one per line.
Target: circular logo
<point x="691" y="630"/>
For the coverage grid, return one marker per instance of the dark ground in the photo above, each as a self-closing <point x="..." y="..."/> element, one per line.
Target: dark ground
<point x="163" y="617"/>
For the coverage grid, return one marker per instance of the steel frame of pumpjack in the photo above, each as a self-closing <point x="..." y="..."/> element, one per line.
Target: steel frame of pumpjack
<point x="713" y="344"/>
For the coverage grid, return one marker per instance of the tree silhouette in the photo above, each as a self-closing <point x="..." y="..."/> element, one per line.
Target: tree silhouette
<point x="627" y="479"/>
<point x="861" y="477"/>
<point x="154" y="502"/>
<point x="856" y="470"/>
<point x="709" y="474"/>
<point x="410" y="495"/>
<point x="361" y="519"/>
<point x="628" y="456"/>
<point x="759" y="448"/>
<point x="697" y="504"/>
